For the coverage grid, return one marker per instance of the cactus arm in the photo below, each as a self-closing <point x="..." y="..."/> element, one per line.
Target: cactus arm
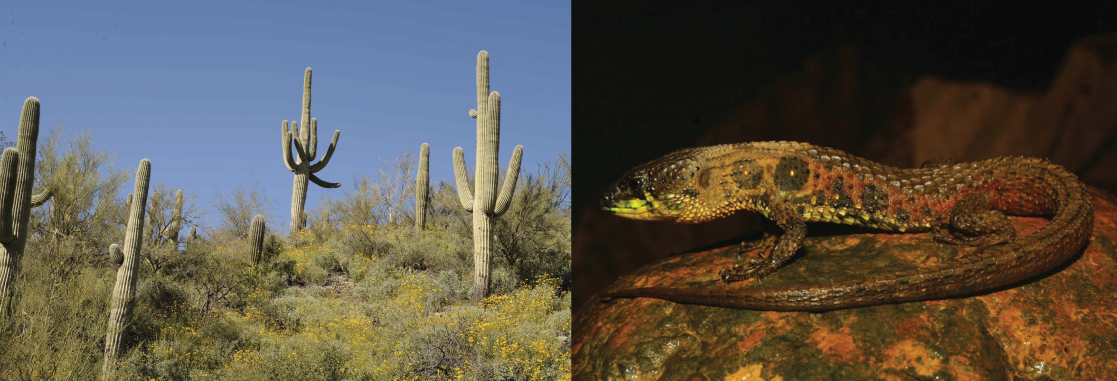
<point x="322" y="183"/>
<point x="302" y="154"/>
<point x="312" y="150"/>
<point x="114" y="254"/>
<point x="488" y="142"/>
<point x="41" y="198"/>
<point x="329" y="153"/>
<point x="298" y="133"/>
<point x="288" y="160"/>
<point x="462" y="179"/>
<point x="510" y="178"/>
<point x="25" y="180"/>
<point x="8" y="162"/>
<point x="256" y="239"/>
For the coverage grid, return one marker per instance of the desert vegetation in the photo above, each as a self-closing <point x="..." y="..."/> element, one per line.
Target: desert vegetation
<point x="381" y="283"/>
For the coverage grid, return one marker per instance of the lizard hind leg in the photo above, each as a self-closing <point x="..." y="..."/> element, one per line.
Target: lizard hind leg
<point x="981" y="224"/>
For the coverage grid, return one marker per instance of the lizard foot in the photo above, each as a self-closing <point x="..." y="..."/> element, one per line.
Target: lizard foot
<point x="754" y="269"/>
<point x="764" y="243"/>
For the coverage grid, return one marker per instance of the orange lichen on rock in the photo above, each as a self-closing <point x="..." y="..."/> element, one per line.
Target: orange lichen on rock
<point x="750" y="373"/>
<point x="838" y="344"/>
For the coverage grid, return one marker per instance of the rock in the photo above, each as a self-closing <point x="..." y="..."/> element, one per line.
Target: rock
<point x="1058" y="326"/>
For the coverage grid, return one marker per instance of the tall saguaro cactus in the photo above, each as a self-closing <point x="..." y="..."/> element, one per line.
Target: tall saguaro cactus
<point x="484" y="202"/>
<point x="422" y="187"/>
<point x="17" y="182"/>
<point x="305" y="140"/>
<point x="124" y="293"/>
<point x="256" y="239"/>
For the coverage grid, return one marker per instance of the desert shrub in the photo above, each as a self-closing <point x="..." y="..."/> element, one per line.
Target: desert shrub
<point x="308" y="267"/>
<point x="236" y="209"/>
<point x="517" y="339"/>
<point x="445" y="211"/>
<point x="58" y="328"/>
<point x="193" y="350"/>
<point x="83" y="207"/>
<point x="533" y="236"/>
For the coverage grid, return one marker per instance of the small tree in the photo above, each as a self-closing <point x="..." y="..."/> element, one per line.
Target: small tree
<point x="396" y="185"/>
<point x="84" y="203"/>
<point x="237" y="208"/>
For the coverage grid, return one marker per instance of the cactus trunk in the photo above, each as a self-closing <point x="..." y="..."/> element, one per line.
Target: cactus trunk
<point x="256" y="239"/>
<point x="15" y="234"/>
<point x="482" y="254"/>
<point x="422" y="188"/>
<point x="124" y="293"/>
<point x="484" y="201"/>
<point x="298" y="200"/>
<point x="305" y="140"/>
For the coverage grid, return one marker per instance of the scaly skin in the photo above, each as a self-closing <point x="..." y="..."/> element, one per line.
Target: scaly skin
<point x="794" y="183"/>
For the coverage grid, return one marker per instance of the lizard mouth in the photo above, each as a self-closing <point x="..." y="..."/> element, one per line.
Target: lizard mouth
<point x="637" y="209"/>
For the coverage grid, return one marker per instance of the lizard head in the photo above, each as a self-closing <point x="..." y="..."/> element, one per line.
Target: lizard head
<point x="701" y="184"/>
<point x="660" y="190"/>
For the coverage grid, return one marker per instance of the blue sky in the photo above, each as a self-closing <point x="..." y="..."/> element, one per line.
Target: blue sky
<point x="200" y="88"/>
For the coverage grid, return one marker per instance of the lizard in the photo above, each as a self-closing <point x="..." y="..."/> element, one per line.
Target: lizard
<point x="792" y="183"/>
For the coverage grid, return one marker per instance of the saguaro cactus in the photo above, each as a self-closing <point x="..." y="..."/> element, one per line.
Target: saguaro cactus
<point x="190" y="238"/>
<point x="256" y="239"/>
<point x="306" y="144"/>
<point x="124" y="292"/>
<point x="422" y="187"/>
<point x="171" y="232"/>
<point x="484" y="203"/>
<point x="17" y="182"/>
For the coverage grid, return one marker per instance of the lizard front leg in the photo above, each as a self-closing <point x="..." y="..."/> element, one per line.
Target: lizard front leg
<point x="794" y="229"/>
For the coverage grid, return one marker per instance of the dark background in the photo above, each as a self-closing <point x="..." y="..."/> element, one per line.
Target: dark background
<point x="652" y="77"/>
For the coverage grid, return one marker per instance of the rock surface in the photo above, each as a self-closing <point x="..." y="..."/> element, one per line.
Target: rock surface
<point x="1059" y="326"/>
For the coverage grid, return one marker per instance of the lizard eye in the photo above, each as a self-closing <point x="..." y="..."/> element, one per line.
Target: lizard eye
<point x="636" y="185"/>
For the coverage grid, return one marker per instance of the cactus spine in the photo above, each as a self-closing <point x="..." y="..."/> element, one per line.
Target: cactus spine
<point x="484" y="203"/>
<point x="124" y="292"/>
<point x="256" y="239"/>
<point x="305" y="140"/>
<point x="18" y="181"/>
<point x="422" y="187"/>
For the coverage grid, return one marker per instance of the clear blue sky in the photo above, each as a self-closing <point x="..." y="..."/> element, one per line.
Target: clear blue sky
<point x="200" y="88"/>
